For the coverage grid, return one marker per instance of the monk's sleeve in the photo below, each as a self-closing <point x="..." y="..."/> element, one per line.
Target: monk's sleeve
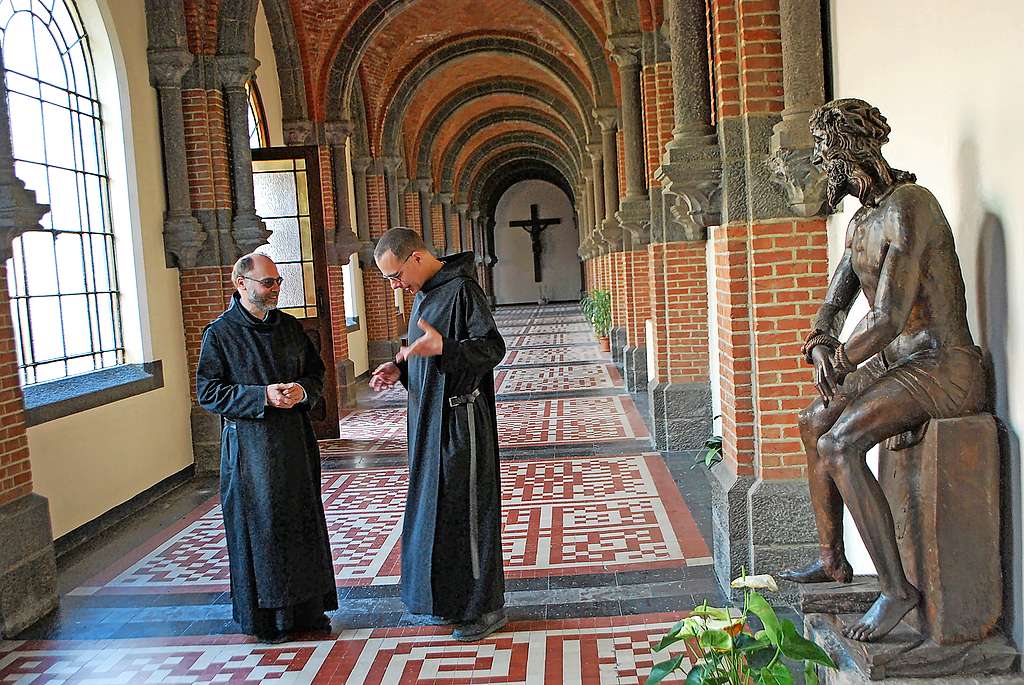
<point x="482" y="348"/>
<point x="312" y="379"/>
<point x="216" y="393"/>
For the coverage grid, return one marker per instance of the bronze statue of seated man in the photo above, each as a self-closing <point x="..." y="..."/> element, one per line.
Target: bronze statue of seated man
<point x="910" y="359"/>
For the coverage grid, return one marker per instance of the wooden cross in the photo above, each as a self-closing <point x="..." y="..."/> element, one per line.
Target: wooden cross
<point x="535" y="225"/>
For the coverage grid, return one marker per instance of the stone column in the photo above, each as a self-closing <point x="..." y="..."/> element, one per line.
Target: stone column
<point x="28" y="569"/>
<point x="475" y="243"/>
<point x="803" y="79"/>
<point x="691" y="169"/>
<point x="587" y="215"/>
<point x="597" y="172"/>
<point x="183" y="234"/>
<point x="446" y="214"/>
<point x="391" y="166"/>
<point x="360" y="165"/>
<point x="247" y="229"/>
<point x="610" y="231"/>
<point x="423" y="186"/>
<point x="342" y="242"/>
<point x="463" y="210"/>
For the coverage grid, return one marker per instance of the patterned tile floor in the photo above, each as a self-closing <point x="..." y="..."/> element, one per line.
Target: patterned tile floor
<point x="605" y="546"/>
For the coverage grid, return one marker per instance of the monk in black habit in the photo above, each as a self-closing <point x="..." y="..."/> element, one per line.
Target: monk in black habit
<point x="259" y="371"/>
<point x="451" y="540"/>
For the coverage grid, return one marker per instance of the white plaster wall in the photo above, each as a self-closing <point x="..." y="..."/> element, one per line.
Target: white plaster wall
<point x="266" y="78"/>
<point x="90" y="462"/>
<point x="560" y="265"/>
<point x="947" y="77"/>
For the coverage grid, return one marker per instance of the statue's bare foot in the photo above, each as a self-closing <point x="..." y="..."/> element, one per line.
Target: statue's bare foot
<point x="820" y="572"/>
<point x="884" y="614"/>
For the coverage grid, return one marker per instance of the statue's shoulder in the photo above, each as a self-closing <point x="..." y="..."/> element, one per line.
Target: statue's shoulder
<point x="911" y="195"/>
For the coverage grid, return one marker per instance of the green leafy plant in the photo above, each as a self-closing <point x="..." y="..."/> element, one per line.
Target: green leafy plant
<point x="597" y="308"/>
<point x="723" y="651"/>
<point x="712" y="451"/>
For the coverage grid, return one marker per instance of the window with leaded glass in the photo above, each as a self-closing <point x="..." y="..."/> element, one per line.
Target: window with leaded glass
<point x="257" y="117"/>
<point x="62" y="277"/>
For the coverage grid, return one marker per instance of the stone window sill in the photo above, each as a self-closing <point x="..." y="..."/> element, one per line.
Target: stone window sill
<point x="352" y="324"/>
<point x="65" y="396"/>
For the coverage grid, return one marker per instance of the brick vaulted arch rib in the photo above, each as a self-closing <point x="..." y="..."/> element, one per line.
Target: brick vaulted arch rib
<point x="342" y="72"/>
<point x="521" y="153"/>
<point x="460" y="178"/>
<point x="465" y="49"/>
<point x="518" y="115"/>
<point x="236" y="25"/>
<point x="534" y="91"/>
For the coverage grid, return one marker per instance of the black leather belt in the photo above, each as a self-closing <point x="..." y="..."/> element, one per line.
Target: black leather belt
<point x="467" y="401"/>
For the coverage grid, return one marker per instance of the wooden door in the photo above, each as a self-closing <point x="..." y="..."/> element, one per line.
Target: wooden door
<point x="286" y="182"/>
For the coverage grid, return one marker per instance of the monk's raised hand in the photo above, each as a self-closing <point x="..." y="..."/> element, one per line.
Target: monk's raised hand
<point x="430" y="344"/>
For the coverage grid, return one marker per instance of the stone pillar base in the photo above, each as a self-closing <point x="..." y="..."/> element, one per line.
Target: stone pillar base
<point x="729" y="525"/>
<point x="28" y="566"/>
<point x="380" y="351"/>
<point x="205" y="440"/>
<point x="635" y="368"/>
<point x="346" y="374"/>
<point x="617" y="336"/>
<point x="681" y="415"/>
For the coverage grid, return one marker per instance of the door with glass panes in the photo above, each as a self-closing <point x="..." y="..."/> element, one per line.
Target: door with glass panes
<point x="286" y="181"/>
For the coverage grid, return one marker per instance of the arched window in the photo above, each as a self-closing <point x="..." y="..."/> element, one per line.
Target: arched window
<point x="257" y="117"/>
<point x="63" y="276"/>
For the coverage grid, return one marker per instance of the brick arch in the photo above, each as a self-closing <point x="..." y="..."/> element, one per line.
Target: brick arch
<point x="476" y="47"/>
<point x="499" y="180"/>
<point x="236" y="26"/>
<point x="360" y="132"/>
<point x="500" y="131"/>
<point x="486" y="144"/>
<point x="426" y="136"/>
<point x="529" y="144"/>
<point x="352" y="43"/>
<point x="516" y="157"/>
<point x="518" y="115"/>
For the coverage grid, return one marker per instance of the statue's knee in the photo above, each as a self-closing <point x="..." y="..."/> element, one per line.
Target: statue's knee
<point x="831" y="451"/>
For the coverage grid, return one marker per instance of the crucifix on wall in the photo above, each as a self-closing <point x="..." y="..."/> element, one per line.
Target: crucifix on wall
<point x="535" y="226"/>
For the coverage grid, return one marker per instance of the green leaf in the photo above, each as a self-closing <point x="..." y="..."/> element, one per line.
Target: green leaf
<point x="757" y="605"/>
<point x="717" y="640"/>
<point x="705" y="674"/>
<point x="796" y="646"/>
<point x="810" y="674"/>
<point x="671" y="637"/>
<point x="776" y="674"/>
<point x="663" y="669"/>
<point x="711" y="612"/>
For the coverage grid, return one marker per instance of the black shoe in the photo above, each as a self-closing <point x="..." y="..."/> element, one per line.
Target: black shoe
<point x="273" y="637"/>
<point x="478" y="629"/>
<point x="320" y="624"/>
<point x="431" y="620"/>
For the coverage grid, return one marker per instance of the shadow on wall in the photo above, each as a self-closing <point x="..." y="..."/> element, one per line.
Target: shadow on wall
<point x="993" y="315"/>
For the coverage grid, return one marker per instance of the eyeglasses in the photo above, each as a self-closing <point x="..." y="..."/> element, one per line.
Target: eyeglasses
<point x="266" y="282"/>
<point x="397" y="276"/>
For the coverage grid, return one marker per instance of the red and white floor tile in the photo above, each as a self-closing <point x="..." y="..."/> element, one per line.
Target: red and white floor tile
<point x="591" y="518"/>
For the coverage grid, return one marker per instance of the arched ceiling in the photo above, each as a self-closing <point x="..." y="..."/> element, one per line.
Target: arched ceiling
<point x="461" y="90"/>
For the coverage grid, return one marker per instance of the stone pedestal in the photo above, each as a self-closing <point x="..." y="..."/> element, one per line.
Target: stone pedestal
<point x="617" y="336"/>
<point x="346" y="371"/>
<point x="680" y="414"/>
<point x="634" y="371"/>
<point x="906" y="653"/>
<point x="28" y="567"/>
<point x="380" y="351"/>
<point x="205" y="440"/>
<point x="944" y="496"/>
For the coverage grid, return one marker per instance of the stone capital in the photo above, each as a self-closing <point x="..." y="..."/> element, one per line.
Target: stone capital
<point x="612" y="235"/>
<point x="423" y="185"/>
<point x="235" y="70"/>
<point x="462" y="208"/>
<point x="299" y="132"/>
<point x="625" y="49"/>
<point x="607" y="118"/>
<point x="167" y="66"/>
<point x="337" y="133"/>
<point x="344" y="245"/>
<point x="390" y="164"/>
<point x="445" y="198"/>
<point x="804" y="184"/>
<point x="474" y="214"/>
<point x="634" y="217"/>
<point x="595" y="150"/>
<point x="361" y="165"/>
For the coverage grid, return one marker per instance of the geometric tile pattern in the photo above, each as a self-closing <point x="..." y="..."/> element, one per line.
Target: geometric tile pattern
<point x="524" y="423"/>
<point x="560" y="517"/>
<point x="553" y="356"/>
<point x="132" y="662"/>
<point x="560" y="327"/>
<point x="548" y="339"/>
<point x="605" y="651"/>
<point x="566" y="378"/>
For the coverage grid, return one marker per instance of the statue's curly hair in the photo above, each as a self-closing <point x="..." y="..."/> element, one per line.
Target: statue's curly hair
<point x="855" y="130"/>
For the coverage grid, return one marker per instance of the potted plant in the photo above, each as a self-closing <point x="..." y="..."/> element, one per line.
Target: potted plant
<point x="597" y="308"/>
<point x="722" y="650"/>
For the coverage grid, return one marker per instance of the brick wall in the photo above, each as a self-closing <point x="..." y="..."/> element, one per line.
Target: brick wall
<point x="205" y="293"/>
<point x="789" y="265"/>
<point x="621" y="266"/>
<point x="677" y="287"/>
<point x="726" y="58"/>
<point x="15" y="469"/>
<point x="201" y="25"/>
<point x="411" y="212"/>
<point x="761" y="56"/>
<point x="620" y="161"/>
<point x="381" y="314"/>
<point x="639" y="302"/>
<point x="206" y="149"/>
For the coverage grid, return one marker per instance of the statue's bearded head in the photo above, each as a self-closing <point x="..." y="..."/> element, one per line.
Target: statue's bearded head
<point x="848" y="138"/>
